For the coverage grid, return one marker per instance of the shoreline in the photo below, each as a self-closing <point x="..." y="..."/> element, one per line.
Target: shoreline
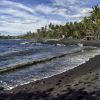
<point x="75" y="42"/>
<point x="58" y="86"/>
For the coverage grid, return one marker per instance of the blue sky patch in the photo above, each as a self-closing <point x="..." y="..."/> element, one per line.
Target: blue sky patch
<point x="20" y="16"/>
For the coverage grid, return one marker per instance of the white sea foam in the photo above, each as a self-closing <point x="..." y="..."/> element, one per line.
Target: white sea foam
<point x="51" y="68"/>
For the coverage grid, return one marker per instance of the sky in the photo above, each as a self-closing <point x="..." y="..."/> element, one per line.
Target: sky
<point x="17" y="17"/>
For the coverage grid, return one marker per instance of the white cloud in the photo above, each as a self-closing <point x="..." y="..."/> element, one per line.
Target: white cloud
<point x="44" y="9"/>
<point x="79" y="12"/>
<point x="65" y="3"/>
<point x="20" y="18"/>
<point x="71" y="12"/>
<point x="71" y="9"/>
<point x="15" y="5"/>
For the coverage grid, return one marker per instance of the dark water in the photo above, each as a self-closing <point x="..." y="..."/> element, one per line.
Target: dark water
<point x="16" y="52"/>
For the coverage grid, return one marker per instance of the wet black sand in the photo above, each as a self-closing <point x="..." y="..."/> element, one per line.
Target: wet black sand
<point x="80" y="83"/>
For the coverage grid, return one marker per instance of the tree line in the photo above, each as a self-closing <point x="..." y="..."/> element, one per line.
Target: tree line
<point x="90" y="25"/>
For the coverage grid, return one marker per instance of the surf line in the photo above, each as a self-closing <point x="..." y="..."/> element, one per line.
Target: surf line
<point x="29" y="64"/>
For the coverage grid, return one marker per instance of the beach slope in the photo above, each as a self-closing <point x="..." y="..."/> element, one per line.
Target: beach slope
<point x="82" y="82"/>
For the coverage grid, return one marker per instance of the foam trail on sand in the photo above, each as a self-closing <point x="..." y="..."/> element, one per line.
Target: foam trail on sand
<point x="50" y="68"/>
<point x="27" y="64"/>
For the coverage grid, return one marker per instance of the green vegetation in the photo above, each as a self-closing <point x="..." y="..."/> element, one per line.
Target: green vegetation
<point x="89" y="26"/>
<point x="7" y="37"/>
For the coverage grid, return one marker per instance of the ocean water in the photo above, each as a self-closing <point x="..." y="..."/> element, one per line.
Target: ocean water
<point x="20" y="52"/>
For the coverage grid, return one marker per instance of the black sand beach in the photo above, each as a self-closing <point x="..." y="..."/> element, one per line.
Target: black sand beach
<point x="80" y="83"/>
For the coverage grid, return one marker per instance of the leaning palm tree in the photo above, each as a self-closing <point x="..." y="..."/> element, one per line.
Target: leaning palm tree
<point x="95" y="13"/>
